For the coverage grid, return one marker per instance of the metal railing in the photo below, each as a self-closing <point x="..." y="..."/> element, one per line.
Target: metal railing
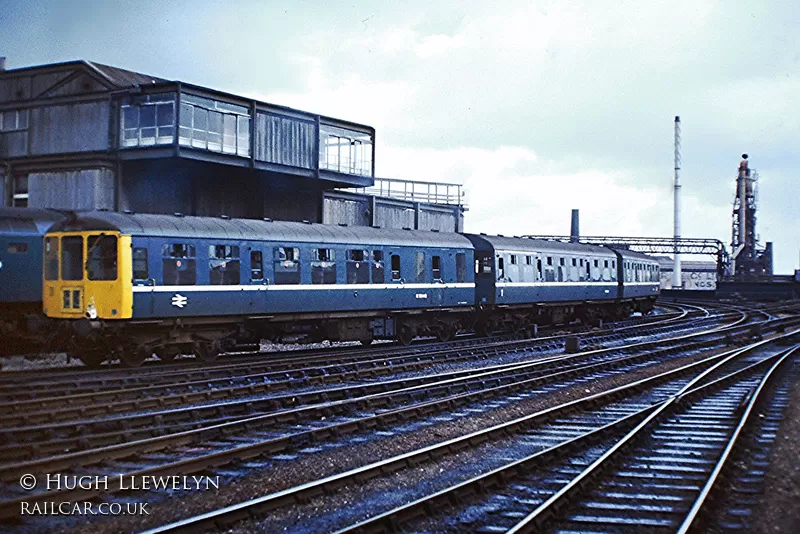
<point x="416" y="191"/>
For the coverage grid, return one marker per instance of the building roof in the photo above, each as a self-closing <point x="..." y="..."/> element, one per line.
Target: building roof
<point x="121" y="77"/>
<point x="174" y="226"/>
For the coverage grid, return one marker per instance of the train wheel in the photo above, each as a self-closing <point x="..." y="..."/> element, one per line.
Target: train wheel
<point x="445" y="333"/>
<point x="135" y="358"/>
<point x="405" y="335"/>
<point x="92" y="359"/>
<point x="167" y="354"/>
<point x="206" y="351"/>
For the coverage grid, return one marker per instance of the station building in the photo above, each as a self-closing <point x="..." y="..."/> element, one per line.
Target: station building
<point x="80" y="135"/>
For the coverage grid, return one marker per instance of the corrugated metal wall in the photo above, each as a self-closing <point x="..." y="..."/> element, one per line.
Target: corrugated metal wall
<point x="391" y="216"/>
<point x="285" y="140"/>
<point x="349" y="212"/>
<point x="69" y="128"/>
<point x="430" y="219"/>
<point x="14" y="144"/>
<point x="72" y="190"/>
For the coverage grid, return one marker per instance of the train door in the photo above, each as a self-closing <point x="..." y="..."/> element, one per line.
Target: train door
<point x="144" y="277"/>
<point x="437" y="277"/>
<point x="484" y="276"/>
<point x="258" y="279"/>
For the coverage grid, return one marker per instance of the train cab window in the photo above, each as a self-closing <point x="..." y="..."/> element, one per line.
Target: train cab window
<point x="72" y="258"/>
<point x="357" y="267"/>
<point x="378" y="271"/>
<point x="140" y="268"/>
<point x="101" y="263"/>
<point x="549" y="260"/>
<point x="17" y="248"/>
<point x="461" y="267"/>
<point x="323" y="266"/>
<point x="395" y="267"/>
<point x="539" y="274"/>
<point x="501" y="268"/>
<point x="513" y="259"/>
<point x="179" y="264"/>
<point x="528" y="260"/>
<point x="436" y="268"/>
<point x="575" y="262"/>
<point x="287" y="265"/>
<point x="51" y="258"/>
<point x="223" y="265"/>
<point x="419" y="266"/>
<point x="256" y="265"/>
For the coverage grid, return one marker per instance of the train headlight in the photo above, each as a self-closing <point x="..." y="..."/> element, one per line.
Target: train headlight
<point x="91" y="311"/>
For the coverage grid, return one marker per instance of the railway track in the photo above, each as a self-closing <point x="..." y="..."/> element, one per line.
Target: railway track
<point x="250" y="379"/>
<point x="229" y="451"/>
<point x="643" y="425"/>
<point x="22" y="385"/>
<point x="69" y="434"/>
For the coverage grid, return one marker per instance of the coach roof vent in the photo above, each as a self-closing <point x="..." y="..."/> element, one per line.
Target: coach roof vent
<point x="226" y="217"/>
<point x="435" y="230"/>
<point x="266" y="219"/>
<point x="178" y="214"/>
<point x="306" y="221"/>
<point x="342" y="224"/>
<point x="128" y="212"/>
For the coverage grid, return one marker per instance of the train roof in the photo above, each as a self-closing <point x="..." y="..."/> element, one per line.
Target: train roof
<point x="523" y="244"/>
<point x="178" y="226"/>
<point x="25" y="221"/>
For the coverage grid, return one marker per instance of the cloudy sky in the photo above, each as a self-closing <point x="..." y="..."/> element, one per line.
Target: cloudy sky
<point x="536" y="107"/>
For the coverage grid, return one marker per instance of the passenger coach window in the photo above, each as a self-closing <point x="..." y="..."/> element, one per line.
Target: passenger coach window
<point x="256" y="265"/>
<point x="461" y="267"/>
<point x="51" y="258"/>
<point x="436" y="268"/>
<point x="140" y="269"/>
<point x="72" y="258"/>
<point x="102" y="261"/>
<point x="178" y="264"/>
<point x="419" y="266"/>
<point x="378" y="276"/>
<point x="223" y="265"/>
<point x="323" y="266"/>
<point x="395" y="267"/>
<point x="357" y="267"/>
<point x="18" y="248"/>
<point x="287" y="265"/>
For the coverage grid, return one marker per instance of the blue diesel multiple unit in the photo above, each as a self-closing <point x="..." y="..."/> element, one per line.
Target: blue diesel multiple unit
<point x="21" y="232"/>
<point x="137" y="284"/>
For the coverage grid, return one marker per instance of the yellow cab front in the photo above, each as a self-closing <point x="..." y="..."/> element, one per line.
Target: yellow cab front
<point x="87" y="275"/>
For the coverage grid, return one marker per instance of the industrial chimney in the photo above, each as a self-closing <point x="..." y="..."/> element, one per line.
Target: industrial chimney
<point x="676" y="271"/>
<point x="574" y="231"/>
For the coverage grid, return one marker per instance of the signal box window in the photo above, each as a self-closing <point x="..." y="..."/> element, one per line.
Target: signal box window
<point x="378" y="271"/>
<point x="51" y="258"/>
<point x="436" y="267"/>
<point x="461" y="267"/>
<point x="102" y="261"/>
<point x="256" y="265"/>
<point x="357" y="267"/>
<point x="72" y="258"/>
<point x="419" y="266"/>
<point x="140" y="269"/>
<point x="395" y="267"/>
<point x="287" y="265"/>
<point x="323" y="266"/>
<point x="223" y="265"/>
<point x="178" y="264"/>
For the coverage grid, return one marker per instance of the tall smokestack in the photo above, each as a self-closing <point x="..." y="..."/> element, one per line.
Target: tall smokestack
<point x="574" y="231"/>
<point x="676" y="271"/>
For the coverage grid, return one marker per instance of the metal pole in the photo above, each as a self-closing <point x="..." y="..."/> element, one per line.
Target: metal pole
<point x="676" y="272"/>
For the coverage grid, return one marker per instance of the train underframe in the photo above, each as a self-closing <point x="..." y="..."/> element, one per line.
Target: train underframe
<point x="132" y="342"/>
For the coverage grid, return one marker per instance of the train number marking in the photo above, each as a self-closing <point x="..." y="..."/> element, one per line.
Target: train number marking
<point x="179" y="301"/>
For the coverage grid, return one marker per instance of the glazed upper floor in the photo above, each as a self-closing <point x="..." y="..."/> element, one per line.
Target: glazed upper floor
<point x="71" y="109"/>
